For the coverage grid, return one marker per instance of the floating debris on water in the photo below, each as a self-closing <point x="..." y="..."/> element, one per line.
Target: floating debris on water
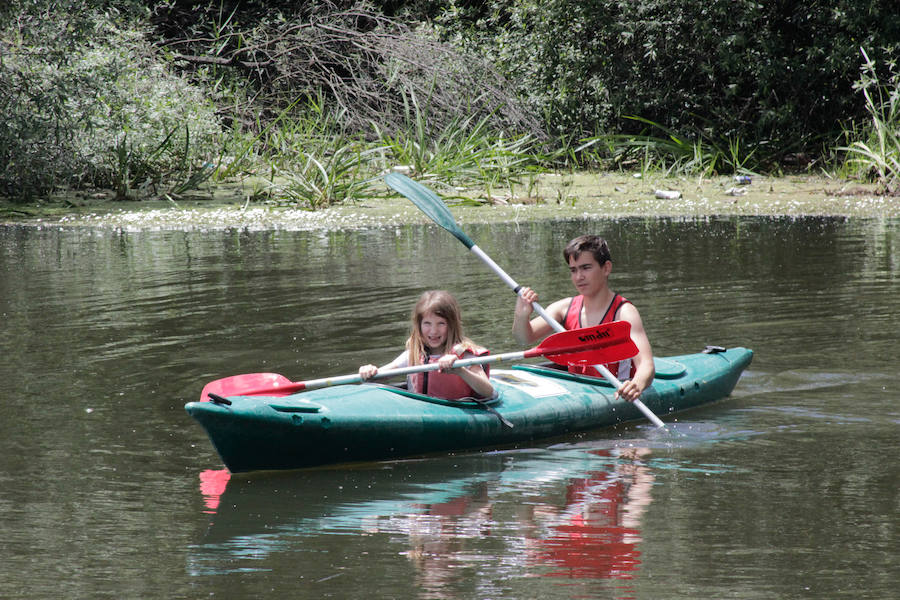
<point x="668" y="194"/>
<point x="250" y="219"/>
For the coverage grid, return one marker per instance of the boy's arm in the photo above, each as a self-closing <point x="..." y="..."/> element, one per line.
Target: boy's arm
<point x="643" y="361"/>
<point x="527" y="330"/>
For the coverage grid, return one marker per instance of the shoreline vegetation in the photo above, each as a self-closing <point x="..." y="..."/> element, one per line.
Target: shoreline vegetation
<point x="554" y="197"/>
<point x="236" y="114"/>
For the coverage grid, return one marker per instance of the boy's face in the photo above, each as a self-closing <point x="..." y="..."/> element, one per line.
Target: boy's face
<point x="587" y="274"/>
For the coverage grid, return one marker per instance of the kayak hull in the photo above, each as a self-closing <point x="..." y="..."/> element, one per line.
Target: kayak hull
<point x="375" y="422"/>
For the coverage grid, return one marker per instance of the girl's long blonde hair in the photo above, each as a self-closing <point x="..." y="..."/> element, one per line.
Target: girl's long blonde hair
<point x="444" y="305"/>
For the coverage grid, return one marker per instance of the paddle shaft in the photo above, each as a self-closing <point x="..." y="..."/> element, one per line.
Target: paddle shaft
<point x="557" y="327"/>
<point x="313" y="384"/>
<point x="580" y="348"/>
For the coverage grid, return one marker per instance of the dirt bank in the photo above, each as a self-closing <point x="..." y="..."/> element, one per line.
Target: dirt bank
<point x="589" y="196"/>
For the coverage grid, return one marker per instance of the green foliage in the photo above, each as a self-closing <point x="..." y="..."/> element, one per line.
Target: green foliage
<point x="315" y="159"/>
<point x="314" y="162"/>
<point x="130" y="95"/>
<point x="466" y="149"/>
<point x="95" y="108"/>
<point x="776" y="75"/>
<point x="320" y="180"/>
<point x="875" y="153"/>
<point x="672" y="153"/>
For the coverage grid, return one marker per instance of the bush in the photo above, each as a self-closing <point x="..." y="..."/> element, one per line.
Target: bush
<point x="775" y="73"/>
<point x="874" y="151"/>
<point x="86" y="103"/>
<point x="358" y="61"/>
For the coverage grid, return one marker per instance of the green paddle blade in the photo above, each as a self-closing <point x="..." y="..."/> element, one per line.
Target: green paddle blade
<point x="429" y="203"/>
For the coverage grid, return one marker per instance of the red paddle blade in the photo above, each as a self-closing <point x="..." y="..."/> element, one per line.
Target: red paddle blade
<point x="238" y="385"/>
<point x="597" y="345"/>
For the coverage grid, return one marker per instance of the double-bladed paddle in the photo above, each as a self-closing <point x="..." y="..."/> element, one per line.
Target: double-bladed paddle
<point x="604" y="343"/>
<point x="429" y="203"/>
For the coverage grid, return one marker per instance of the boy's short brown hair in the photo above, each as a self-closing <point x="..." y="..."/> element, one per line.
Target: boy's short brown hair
<point x="594" y="244"/>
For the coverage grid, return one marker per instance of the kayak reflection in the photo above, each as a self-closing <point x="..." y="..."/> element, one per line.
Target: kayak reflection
<point x="212" y="486"/>
<point x="564" y="513"/>
<point x="590" y="531"/>
<point x="596" y="533"/>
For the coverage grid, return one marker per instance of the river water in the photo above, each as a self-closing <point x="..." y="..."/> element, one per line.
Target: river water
<point x="108" y="489"/>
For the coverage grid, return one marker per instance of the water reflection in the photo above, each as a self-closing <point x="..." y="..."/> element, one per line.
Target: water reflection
<point x="596" y="533"/>
<point x="572" y="513"/>
<point x="212" y="486"/>
<point x="785" y="490"/>
<point x="441" y="538"/>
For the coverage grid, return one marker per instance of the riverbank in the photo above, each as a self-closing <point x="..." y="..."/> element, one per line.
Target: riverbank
<point x="580" y="196"/>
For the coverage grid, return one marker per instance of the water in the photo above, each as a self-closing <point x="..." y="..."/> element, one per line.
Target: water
<point x="788" y="489"/>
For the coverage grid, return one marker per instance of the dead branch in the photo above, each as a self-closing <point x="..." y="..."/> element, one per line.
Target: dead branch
<point x="364" y="62"/>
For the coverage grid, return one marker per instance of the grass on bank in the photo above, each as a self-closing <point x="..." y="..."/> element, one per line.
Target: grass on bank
<point x="874" y="150"/>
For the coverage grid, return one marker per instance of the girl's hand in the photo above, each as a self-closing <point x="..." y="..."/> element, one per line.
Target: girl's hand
<point x="446" y="362"/>
<point x="368" y="371"/>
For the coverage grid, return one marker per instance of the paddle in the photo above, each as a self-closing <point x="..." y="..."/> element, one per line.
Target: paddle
<point x="589" y="345"/>
<point x="429" y="203"/>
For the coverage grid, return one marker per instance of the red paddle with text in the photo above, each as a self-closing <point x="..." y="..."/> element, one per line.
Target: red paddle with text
<point x="586" y="346"/>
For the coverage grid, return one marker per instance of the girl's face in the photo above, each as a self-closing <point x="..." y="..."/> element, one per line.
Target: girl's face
<point x="434" y="332"/>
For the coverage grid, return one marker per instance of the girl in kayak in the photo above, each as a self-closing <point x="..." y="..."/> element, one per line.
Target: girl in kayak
<point x="436" y="335"/>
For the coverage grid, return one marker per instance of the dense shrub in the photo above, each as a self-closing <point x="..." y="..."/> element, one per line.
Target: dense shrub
<point x="778" y="72"/>
<point x="130" y="94"/>
<point x="85" y="101"/>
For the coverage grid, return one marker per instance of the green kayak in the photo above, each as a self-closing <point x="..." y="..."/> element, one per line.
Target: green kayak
<point x="372" y="421"/>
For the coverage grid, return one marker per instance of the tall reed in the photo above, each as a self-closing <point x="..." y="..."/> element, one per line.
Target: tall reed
<point x="465" y="150"/>
<point x="313" y="162"/>
<point x="877" y="155"/>
<point x="672" y="153"/>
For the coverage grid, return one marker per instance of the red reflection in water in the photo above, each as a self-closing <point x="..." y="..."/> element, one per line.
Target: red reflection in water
<point x="592" y="531"/>
<point x="590" y="542"/>
<point x="597" y="532"/>
<point x="212" y="486"/>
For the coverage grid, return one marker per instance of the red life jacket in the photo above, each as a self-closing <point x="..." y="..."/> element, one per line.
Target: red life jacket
<point x="624" y="369"/>
<point x="445" y="385"/>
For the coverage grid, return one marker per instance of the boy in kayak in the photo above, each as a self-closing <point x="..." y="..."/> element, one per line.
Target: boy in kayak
<point x="590" y="264"/>
<point x="436" y="335"/>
